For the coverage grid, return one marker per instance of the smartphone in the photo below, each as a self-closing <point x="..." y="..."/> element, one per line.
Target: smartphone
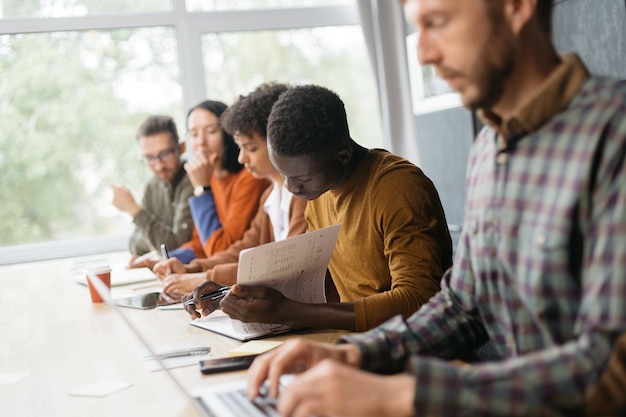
<point x="211" y="366"/>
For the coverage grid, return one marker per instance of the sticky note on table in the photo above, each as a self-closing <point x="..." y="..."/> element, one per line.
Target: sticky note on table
<point x="254" y="347"/>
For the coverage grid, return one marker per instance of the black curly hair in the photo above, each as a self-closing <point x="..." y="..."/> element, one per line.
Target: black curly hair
<point x="249" y="114"/>
<point x="307" y="120"/>
<point x="231" y="150"/>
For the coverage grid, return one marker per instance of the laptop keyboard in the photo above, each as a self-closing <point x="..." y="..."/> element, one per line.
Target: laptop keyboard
<point x="240" y="405"/>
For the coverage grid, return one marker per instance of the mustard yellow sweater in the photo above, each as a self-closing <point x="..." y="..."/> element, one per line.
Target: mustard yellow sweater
<point x="394" y="244"/>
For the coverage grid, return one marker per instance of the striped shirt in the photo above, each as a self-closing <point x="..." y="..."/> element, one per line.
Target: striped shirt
<point x="541" y="265"/>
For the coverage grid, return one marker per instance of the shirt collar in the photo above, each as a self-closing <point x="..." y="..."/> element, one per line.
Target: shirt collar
<point x="180" y="174"/>
<point x="553" y="96"/>
<point x="277" y="207"/>
<point x="178" y="177"/>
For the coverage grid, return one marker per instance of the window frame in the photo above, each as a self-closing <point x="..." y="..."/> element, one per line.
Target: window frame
<point x="189" y="27"/>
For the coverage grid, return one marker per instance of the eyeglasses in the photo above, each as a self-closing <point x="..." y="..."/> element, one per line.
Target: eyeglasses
<point x="162" y="156"/>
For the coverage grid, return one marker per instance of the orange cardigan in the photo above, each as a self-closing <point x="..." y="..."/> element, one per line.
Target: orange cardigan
<point x="236" y="200"/>
<point x="222" y="266"/>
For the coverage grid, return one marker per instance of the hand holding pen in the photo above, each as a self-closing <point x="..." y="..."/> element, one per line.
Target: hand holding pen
<point x="164" y="254"/>
<point x="205" y="298"/>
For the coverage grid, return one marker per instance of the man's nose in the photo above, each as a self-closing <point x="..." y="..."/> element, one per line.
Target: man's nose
<point x="427" y="51"/>
<point x="293" y="187"/>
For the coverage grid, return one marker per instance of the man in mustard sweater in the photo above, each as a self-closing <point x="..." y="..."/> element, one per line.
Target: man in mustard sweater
<point x="394" y="244"/>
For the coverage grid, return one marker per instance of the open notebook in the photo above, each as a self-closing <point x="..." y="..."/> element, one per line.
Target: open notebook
<point x="224" y="400"/>
<point x="295" y="266"/>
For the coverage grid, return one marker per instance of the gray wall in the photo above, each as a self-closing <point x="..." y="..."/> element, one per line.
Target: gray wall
<point x="596" y="30"/>
<point x="443" y="141"/>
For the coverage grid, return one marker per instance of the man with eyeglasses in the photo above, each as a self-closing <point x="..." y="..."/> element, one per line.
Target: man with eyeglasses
<point x="163" y="215"/>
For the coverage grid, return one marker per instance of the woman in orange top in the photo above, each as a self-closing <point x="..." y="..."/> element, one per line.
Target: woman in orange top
<point x="226" y="196"/>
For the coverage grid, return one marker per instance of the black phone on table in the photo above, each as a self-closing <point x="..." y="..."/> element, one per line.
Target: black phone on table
<point x="211" y="366"/>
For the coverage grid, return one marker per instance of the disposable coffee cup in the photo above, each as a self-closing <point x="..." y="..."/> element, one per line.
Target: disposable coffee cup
<point x="101" y="272"/>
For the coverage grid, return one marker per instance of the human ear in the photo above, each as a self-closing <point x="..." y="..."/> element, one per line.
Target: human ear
<point x="344" y="155"/>
<point x="518" y="13"/>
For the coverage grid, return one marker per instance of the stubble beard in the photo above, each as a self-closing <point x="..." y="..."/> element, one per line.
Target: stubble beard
<point x="497" y="61"/>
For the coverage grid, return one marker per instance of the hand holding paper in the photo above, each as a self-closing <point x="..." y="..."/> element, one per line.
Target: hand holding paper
<point x="271" y="280"/>
<point x="256" y="304"/>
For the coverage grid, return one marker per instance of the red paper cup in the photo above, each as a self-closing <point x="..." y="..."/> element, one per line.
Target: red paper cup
<point x="102" y="272"/>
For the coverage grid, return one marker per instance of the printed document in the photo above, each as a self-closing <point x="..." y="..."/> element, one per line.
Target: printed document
<point x="295" y="266"/>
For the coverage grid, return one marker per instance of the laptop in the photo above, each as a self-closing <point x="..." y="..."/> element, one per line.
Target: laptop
<point x="224" y="400"/>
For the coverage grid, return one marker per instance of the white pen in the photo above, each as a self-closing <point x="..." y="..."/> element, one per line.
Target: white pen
<point x="143" y="257"/>
<point x="164" y="253"/>
<point x="202" y="350"/>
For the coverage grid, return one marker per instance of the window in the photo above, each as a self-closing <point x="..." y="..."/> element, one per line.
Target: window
<point x="429" y="93"/>
<point x="66" y="8"/>
<point x="75" y="90"/>
<point x="73" y="102"/>
<point x="212" y="5"/>
<point x="236" y="62"/>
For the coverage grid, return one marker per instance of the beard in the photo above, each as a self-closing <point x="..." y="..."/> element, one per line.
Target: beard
<point x="495" y="66"/>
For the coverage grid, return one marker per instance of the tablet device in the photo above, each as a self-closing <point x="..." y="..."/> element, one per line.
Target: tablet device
<point x="147" y="301"/>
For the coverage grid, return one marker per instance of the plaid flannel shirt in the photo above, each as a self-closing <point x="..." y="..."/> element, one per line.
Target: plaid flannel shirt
<point x="541" y="265"/>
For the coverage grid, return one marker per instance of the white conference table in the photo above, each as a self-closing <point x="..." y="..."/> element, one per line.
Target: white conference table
<point x="54" y="340"/>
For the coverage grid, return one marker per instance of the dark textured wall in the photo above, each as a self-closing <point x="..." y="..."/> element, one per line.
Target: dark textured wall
<point x="596" y="30"/>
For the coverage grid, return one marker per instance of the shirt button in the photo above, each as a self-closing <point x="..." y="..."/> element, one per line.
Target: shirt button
<point x="502" y="158"/>
<point x="540" y="239"/>
<point x="184" y="226"/>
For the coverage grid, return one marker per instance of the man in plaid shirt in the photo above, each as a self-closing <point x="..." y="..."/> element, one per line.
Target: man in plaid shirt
<point x="540" y="270"/>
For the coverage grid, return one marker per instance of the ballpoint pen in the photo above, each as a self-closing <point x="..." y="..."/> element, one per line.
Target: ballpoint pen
<point x="215" y="295"/>
<point x="200" y="350"/>
<point x="164" y="253"/>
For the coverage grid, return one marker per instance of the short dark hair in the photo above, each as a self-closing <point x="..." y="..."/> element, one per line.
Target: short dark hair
<point x="543" y="11"/>
<point x="156" y="124"/>
<point x="249" y="114"/>
<point x="231" y="151"/>
<point x="544" y="14"/>
<point x="307" y="120"/>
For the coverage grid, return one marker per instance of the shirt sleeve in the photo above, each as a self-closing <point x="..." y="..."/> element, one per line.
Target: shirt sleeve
<point x="440" y="328"/>
<point x="243" y="204"/>
<point x="138" y="244"/>
<point x="547" y="382"/>
<point x="416" y="244"/>
<point x="205" y="217"/>
<point x="185" y="255"/>
<point x="156" y="231"/>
